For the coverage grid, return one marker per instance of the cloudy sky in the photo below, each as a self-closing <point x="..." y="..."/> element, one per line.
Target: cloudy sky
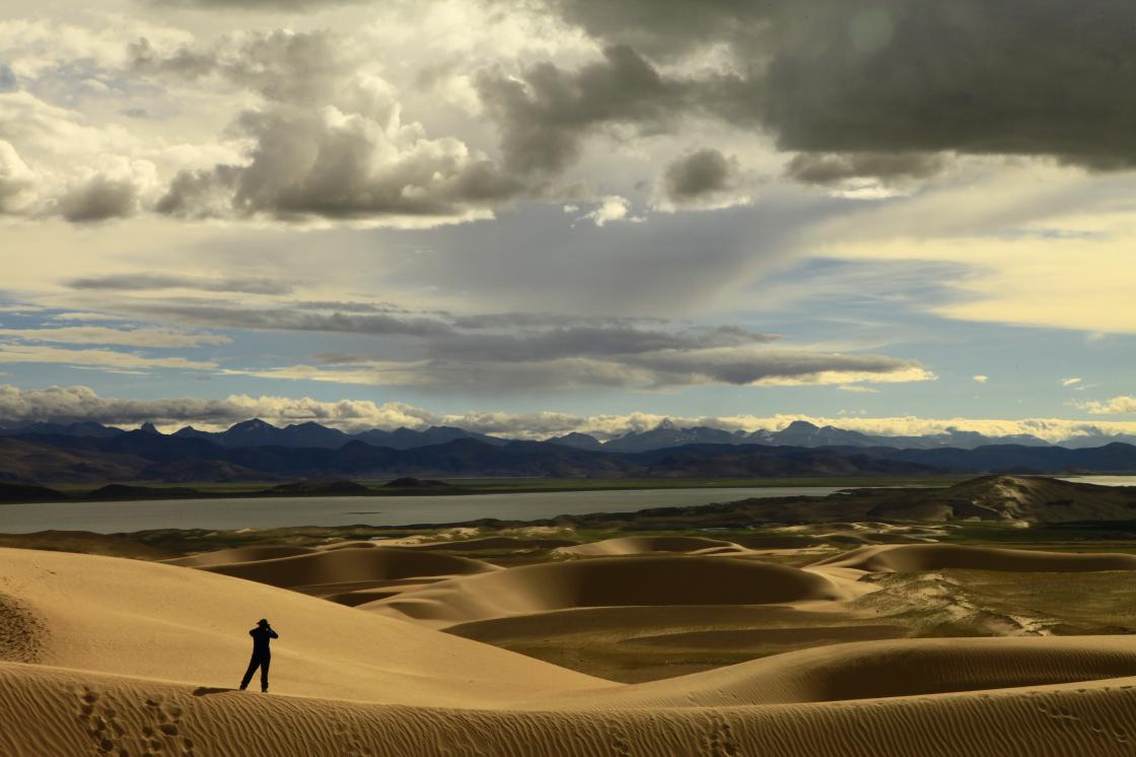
<point x="536" y="216"/>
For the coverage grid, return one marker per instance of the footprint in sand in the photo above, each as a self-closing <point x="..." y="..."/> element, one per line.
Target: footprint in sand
<point x="165" y="733"/>
<point x="100" y="722"/>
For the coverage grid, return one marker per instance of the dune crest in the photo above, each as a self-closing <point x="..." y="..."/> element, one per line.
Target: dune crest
<point x="908" y="558"/>
<point x="609" y="581"/>
<point x="334" y="572"/>
<point x="645" y="545"/>
<point x="239" y="554"/>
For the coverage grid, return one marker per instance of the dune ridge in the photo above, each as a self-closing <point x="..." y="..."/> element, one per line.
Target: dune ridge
<point x="907" y="558"/>
<point x="609" y="581"/>
<point x="334" y="571"/>
<point x="644" y="545"/>
<point x="486" y="543"/>
<point x="239" y="554"/>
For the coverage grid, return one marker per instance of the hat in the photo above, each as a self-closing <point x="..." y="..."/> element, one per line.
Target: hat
<point x="262" y="622"/>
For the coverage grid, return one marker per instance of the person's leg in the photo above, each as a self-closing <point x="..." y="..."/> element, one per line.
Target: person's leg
<point x="254" y="663"/>
<point x="264" y="673"/>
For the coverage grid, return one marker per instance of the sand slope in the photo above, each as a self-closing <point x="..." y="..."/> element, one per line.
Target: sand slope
<point x="907" y="558"/>
<point x="643" y="545"/>
<point x="494" y="543"/>
<point x="609" y="581"/>
<point x="239" y="554"/>
<point x="159" y="621"/>
<point x="891" y="668"/>
<point x="329" y="571"/>
<point x="60" y="712"/>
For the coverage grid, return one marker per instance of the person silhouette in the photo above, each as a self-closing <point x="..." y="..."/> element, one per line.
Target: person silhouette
<point x="262" y="635"/>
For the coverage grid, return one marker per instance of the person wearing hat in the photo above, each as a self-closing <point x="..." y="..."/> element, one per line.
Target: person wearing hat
<point x="262" y="635"/>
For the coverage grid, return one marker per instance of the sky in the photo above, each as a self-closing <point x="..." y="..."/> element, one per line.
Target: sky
<point x="530" y="217"/>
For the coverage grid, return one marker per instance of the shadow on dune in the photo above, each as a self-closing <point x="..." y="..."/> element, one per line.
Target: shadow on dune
<point x="204" y="691"/>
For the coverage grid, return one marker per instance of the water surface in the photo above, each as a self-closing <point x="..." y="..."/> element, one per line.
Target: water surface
<point x="279" y="512"/>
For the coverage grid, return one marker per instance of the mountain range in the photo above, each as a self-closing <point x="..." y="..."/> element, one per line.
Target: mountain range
<point x="797" y="434"/>
<point x="255" y="450"/>
<point x="258" y="433"/>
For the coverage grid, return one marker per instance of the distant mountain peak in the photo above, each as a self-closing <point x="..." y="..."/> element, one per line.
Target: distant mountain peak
<point x="577" y="440"/>
<point x="253" y="424"/>
<point x="149" y="428"/>
<point x="800" y="425"/>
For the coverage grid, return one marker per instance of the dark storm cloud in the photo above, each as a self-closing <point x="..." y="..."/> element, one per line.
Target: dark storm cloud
<point x="494" y="336"/>
<point x="584" y="341"/>
<point x="478" y="321"/>
<point x="138" y="282"/>
<point x="98" y="199"/>
<point x="1022" y="77"/>
<point x="832" y="168"/>
<point x="701" y="176"/>
<point x="748" y="367"/>
<point x="544" y="115"/>
<point x="659" y="369"/>
<point x="1032" y="77"/>
<point x="219" y="315"/>
<point x="351" y="306"/>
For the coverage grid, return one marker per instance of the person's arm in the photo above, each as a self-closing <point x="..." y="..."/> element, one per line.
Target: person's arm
<point x="252" y="633"/>
<point x="272" y="634"/>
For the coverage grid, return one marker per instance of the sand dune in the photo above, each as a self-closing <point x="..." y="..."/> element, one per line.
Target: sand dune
<point x="166" y="622"/>
<point x="376" y="590"/>
<point x="135" y="658"/>
<point x="649" y="619"/>
<point x="348" y="545"/>
<point x="608" y="581"/>
<point x="875" y="669"/>
<point x="495" y="543"/>
<point x="239" y="554"/>
<point x="334" y="571"/>
<point x="64" y="712"/>
<point x="643" y="545"/>
<point x="908" y="558"/>
<point x="635" y="644"/>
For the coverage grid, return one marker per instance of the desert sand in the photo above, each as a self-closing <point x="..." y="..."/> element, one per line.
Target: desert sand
<point x="103" y="655"/>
